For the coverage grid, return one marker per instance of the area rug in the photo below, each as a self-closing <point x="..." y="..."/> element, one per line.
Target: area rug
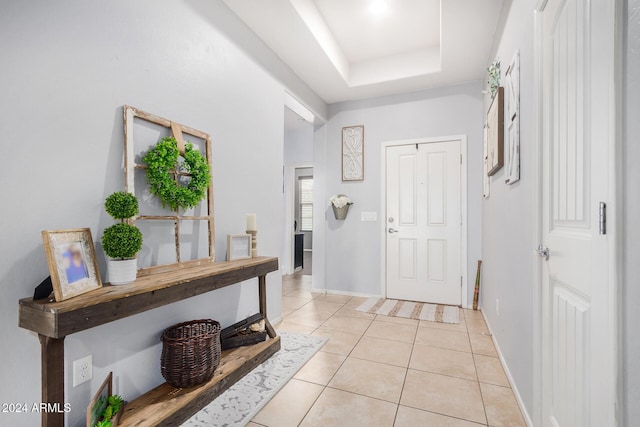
<point x="243" y="400"/>
<point x="411" y="310"/>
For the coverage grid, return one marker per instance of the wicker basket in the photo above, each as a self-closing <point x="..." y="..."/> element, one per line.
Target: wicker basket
<point x="190" y="352"/>
<point x="341" y="213"/>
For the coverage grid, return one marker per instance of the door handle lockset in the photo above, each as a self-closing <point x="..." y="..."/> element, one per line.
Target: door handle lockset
<point x="393" y="230"/>
<point x="543" y="252"/>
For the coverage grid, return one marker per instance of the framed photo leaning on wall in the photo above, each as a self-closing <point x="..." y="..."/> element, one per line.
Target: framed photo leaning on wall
<point x="72" y="262"/>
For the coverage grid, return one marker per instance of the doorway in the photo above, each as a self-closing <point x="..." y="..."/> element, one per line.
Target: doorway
<point x="425" y="226"/>
<point x="303" y="221"/>
<point x="298" y="195"/>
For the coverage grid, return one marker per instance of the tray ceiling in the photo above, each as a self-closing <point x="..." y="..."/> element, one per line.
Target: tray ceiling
<point x="353" y="49"/>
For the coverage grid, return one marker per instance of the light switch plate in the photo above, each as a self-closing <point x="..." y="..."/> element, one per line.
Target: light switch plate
<point x="369" y="216"/>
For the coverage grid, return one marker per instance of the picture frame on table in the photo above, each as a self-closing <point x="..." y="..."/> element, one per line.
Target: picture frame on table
<point x="100" y="401"/>
<point x="238" y="246"/>
<point x="71" y="258"/>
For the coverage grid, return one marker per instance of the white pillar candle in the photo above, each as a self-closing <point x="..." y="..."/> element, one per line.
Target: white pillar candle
<point x="251" y="222"/>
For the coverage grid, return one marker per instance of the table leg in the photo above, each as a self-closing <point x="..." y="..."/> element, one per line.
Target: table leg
<point x="262" y="293"/>
<point x="52" y="353"/>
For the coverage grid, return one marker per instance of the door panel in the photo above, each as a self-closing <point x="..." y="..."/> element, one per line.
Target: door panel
<point x="423" y="222"/>
<point x="575" y="323"/>
<point x="406" y="189"/>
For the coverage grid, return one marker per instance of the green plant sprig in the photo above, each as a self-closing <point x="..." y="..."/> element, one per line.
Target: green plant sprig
<point x="115" y="403"/>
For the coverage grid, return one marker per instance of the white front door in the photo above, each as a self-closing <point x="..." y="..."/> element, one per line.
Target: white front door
<point x="577" y="342"/>
<point x="423" y="222"/>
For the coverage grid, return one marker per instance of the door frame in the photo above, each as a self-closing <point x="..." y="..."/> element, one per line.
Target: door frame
<point x="613" y="230"/>
<point x="464" y="300"/>
<point x="288" y="249"/>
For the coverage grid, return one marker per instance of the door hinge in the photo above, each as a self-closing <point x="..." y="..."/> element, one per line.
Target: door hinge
<point x="460" y="158"/>
<point x="603" y="218"/>
<point x="460" y="281"/>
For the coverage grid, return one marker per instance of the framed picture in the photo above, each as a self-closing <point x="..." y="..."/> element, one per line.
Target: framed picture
<point x="495" y="133"/>
<point x="100" y="401"/>
<point x="513" y="120"/>
<point x="72" y="262"/>
<point x="353" y="153"/>
<point x="486" y="181"/>
<point x="238" y="246"/>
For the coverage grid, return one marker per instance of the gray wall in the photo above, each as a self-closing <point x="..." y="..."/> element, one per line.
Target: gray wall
<point x="631" y="225"/>
<point x="72" y="67"/>
<point x="507" y="227"/>
<point x="353" y="247"/>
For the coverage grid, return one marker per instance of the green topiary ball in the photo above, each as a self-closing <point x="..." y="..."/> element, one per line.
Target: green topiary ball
<point x="122" y="241"/>
<point x="121" y="205"/>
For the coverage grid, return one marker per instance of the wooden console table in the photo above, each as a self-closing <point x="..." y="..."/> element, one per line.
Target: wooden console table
<point x="164" y="405"/>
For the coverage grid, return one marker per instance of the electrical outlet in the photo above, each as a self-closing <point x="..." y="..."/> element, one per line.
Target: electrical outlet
<point x="82" y="370"/>
<point x="497" y="307"/>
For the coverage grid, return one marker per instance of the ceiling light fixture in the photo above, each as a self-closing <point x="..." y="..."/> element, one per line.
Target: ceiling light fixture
<point x="378" y="7"/>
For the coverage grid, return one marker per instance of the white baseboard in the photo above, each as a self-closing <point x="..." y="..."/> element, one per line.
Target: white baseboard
<point x="352" y="294"/>
<point x="275" y="320"/>
<point x="514" y="387"/>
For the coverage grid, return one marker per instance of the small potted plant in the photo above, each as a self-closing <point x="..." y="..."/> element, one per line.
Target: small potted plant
<point x="340" y="204"/>
<point x="122" y="241"/>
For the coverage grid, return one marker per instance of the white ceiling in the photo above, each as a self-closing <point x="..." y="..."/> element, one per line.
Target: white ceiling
<point x="343" y="51"/>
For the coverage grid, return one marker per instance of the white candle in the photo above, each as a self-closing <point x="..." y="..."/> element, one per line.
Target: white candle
<point x="251" y="222"/>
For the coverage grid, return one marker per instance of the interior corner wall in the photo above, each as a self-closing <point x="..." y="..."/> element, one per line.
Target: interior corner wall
<point x="631" y="212"/>
<point x="507" y="227"/>
<point x="353" y="247"/>
<point x="72" y="67"/>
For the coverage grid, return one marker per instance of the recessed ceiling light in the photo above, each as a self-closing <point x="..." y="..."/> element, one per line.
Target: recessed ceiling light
<point x="378" y="7"/>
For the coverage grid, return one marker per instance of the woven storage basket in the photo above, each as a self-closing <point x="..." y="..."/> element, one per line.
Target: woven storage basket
<point x="190" y="352"/>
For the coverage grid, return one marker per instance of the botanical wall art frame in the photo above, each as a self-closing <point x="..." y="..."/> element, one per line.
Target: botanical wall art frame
<point x="238" y="246"/>
<point x="512" y="118"/>
<point x="72" y="262"/>
<point x="99" y="401"/>
<point x="353" y="153"/>
<point x="495" y="133"/>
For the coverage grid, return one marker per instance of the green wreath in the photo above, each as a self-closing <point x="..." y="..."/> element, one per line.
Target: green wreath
<point x="162" y="163"/>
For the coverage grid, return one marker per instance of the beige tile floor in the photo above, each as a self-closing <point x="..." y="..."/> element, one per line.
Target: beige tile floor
<point x="384" y="371"/>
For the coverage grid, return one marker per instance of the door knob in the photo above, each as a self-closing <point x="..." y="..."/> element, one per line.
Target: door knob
<point x="543" y="251"/>
<point x="393" y="230"/>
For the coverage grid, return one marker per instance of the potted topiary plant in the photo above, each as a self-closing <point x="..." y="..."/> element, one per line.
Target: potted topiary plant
<point x="121" y="242"/>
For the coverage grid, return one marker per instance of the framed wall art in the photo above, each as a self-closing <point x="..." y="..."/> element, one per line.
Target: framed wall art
<point x="353" y="153"/>
<point x="512" y="118"/>
<point x="495" y="133"/>
<point x="100" y="400"/>
<point x="486" y="181"/>
<point x="238" y="246"/>
<point x="72" y="262"/>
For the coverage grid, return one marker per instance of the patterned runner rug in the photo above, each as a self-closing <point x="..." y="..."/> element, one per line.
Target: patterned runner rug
<point x="243" y="400"/>
<point x="411" y="310"/>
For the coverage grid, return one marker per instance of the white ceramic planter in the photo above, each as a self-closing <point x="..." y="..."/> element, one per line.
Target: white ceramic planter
<point x="122" y="272"/>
